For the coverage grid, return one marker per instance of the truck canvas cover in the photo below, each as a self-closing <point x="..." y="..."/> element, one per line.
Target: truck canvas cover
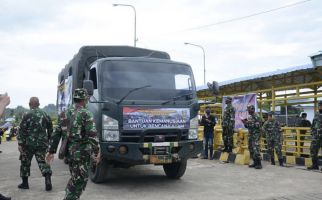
<point x="88" y="54"/>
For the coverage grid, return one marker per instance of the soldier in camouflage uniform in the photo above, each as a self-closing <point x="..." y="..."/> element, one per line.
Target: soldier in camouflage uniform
<point x="253" y="124"/>
<point x="35" y="131"/>
<point x="228" y="125"/>
<point x="272" y="131"/>
<point x="316" y="130"/>
<point x="78" y="126"/>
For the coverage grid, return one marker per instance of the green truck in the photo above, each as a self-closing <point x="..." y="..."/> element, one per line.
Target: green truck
<point x="144" y="106"/>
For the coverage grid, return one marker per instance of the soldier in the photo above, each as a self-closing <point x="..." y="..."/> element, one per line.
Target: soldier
<point x="35" y="131"/>
<point x="208" y="121"/>
<point x="78" y="127"/>
<point x="253" y="123"/>
<point x="272" y="131"/>
<point x="228" y="125"/>
<point x="316" y="130"/>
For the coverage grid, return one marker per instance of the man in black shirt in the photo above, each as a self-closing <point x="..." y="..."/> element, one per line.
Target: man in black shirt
<point x="208" y="121"/>
<point x="303" y="122"/>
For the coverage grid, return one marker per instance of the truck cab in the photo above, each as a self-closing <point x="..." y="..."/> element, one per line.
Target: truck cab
<point x="144" y="105"/>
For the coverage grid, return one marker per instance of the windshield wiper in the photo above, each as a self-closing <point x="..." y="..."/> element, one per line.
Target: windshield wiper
<point x="132" y="90"/>
<point x="177" y="97"/>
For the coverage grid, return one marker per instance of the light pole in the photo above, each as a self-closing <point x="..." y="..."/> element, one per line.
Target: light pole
<point x="128" y="5"/>
<point x="204" y="60"/>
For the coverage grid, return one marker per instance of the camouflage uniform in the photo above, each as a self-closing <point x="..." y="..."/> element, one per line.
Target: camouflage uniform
<point x="272" y="130"/>
<point x="316" y="143"/>
<point x="228" y="125"/>
<point x="82" y="141"/>
<point x="253" y="124"/>
<point x="34" y="133"/>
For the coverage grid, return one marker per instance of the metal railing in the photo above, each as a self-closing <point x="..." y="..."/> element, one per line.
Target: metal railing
<point x="296" y="141"/>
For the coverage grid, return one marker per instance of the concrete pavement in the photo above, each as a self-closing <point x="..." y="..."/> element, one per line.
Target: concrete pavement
<point x="204" y="179"/>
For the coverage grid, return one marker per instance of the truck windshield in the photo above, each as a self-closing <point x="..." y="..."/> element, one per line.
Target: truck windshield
<point x="165" y="80"/>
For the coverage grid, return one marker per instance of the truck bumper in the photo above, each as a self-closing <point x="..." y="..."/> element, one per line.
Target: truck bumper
<point x="151" y="153"/>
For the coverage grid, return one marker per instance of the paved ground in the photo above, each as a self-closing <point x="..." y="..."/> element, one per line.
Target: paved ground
<point x="204" y="179"/>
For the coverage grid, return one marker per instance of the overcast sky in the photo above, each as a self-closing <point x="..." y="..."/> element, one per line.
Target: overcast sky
<point x="38" y="37"/>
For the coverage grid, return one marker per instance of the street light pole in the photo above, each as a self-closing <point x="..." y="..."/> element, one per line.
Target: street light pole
<point x="128" y="5"/>
<point x="204" y="60"/>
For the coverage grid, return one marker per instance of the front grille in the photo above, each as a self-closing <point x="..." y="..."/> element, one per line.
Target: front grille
<point x="150" y="136"/>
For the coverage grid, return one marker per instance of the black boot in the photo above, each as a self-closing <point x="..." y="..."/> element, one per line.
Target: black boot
<point x="253" y="165"/>
<point x="314" y="165"/>
<point x="272" y="160"/>
<point x="48" y="182"/>
<point x="258" y="164"/>
<point x="281" y="162"/>
<point x="24" y="184"/>
<point x="4" y="198"/>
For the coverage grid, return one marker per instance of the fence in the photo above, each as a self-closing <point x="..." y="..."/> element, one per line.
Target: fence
<point x="296" y="141"/>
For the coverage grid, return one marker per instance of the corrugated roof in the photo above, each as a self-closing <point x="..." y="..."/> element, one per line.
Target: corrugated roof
<point x="262" y="75"/>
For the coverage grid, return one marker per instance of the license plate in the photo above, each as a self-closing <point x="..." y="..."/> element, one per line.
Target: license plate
<point x="161" y="144"/>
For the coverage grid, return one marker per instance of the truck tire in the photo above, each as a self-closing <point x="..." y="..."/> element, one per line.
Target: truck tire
<point x="99" y="173"/>
<point x="175" y="170"/>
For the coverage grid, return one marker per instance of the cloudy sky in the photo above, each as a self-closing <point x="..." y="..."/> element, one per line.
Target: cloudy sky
<point x="38" y="37"/>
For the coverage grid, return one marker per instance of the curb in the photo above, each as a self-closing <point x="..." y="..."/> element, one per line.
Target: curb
<point x="243" y="159"/>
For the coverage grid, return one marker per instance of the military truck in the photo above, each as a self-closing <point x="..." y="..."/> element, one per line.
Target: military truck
<point x="144" y="106"/>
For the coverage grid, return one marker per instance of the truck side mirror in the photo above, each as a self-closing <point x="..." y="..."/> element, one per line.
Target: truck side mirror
<point x="89" y="86"/>
<point x="214" y="87"/>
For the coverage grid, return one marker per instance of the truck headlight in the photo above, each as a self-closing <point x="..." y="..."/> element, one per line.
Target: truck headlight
<point x="194" y="123"/>
<point x="109" y="135"/>
<point x="193" y="131"/>
<point x="110" y="128"/>
<point x="193" y="134"/>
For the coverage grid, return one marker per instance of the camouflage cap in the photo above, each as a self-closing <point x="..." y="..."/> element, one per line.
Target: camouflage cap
<point x="250" y="107"/>
<point x="320" y="103"/>
<point x="80" y="93"/>
<point x="270" y="113"/>
<point x="229" y="99"/>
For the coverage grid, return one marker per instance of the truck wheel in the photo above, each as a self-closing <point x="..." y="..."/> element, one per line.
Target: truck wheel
<point x="99" y="173"/>
<point x="175" y="170"/>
